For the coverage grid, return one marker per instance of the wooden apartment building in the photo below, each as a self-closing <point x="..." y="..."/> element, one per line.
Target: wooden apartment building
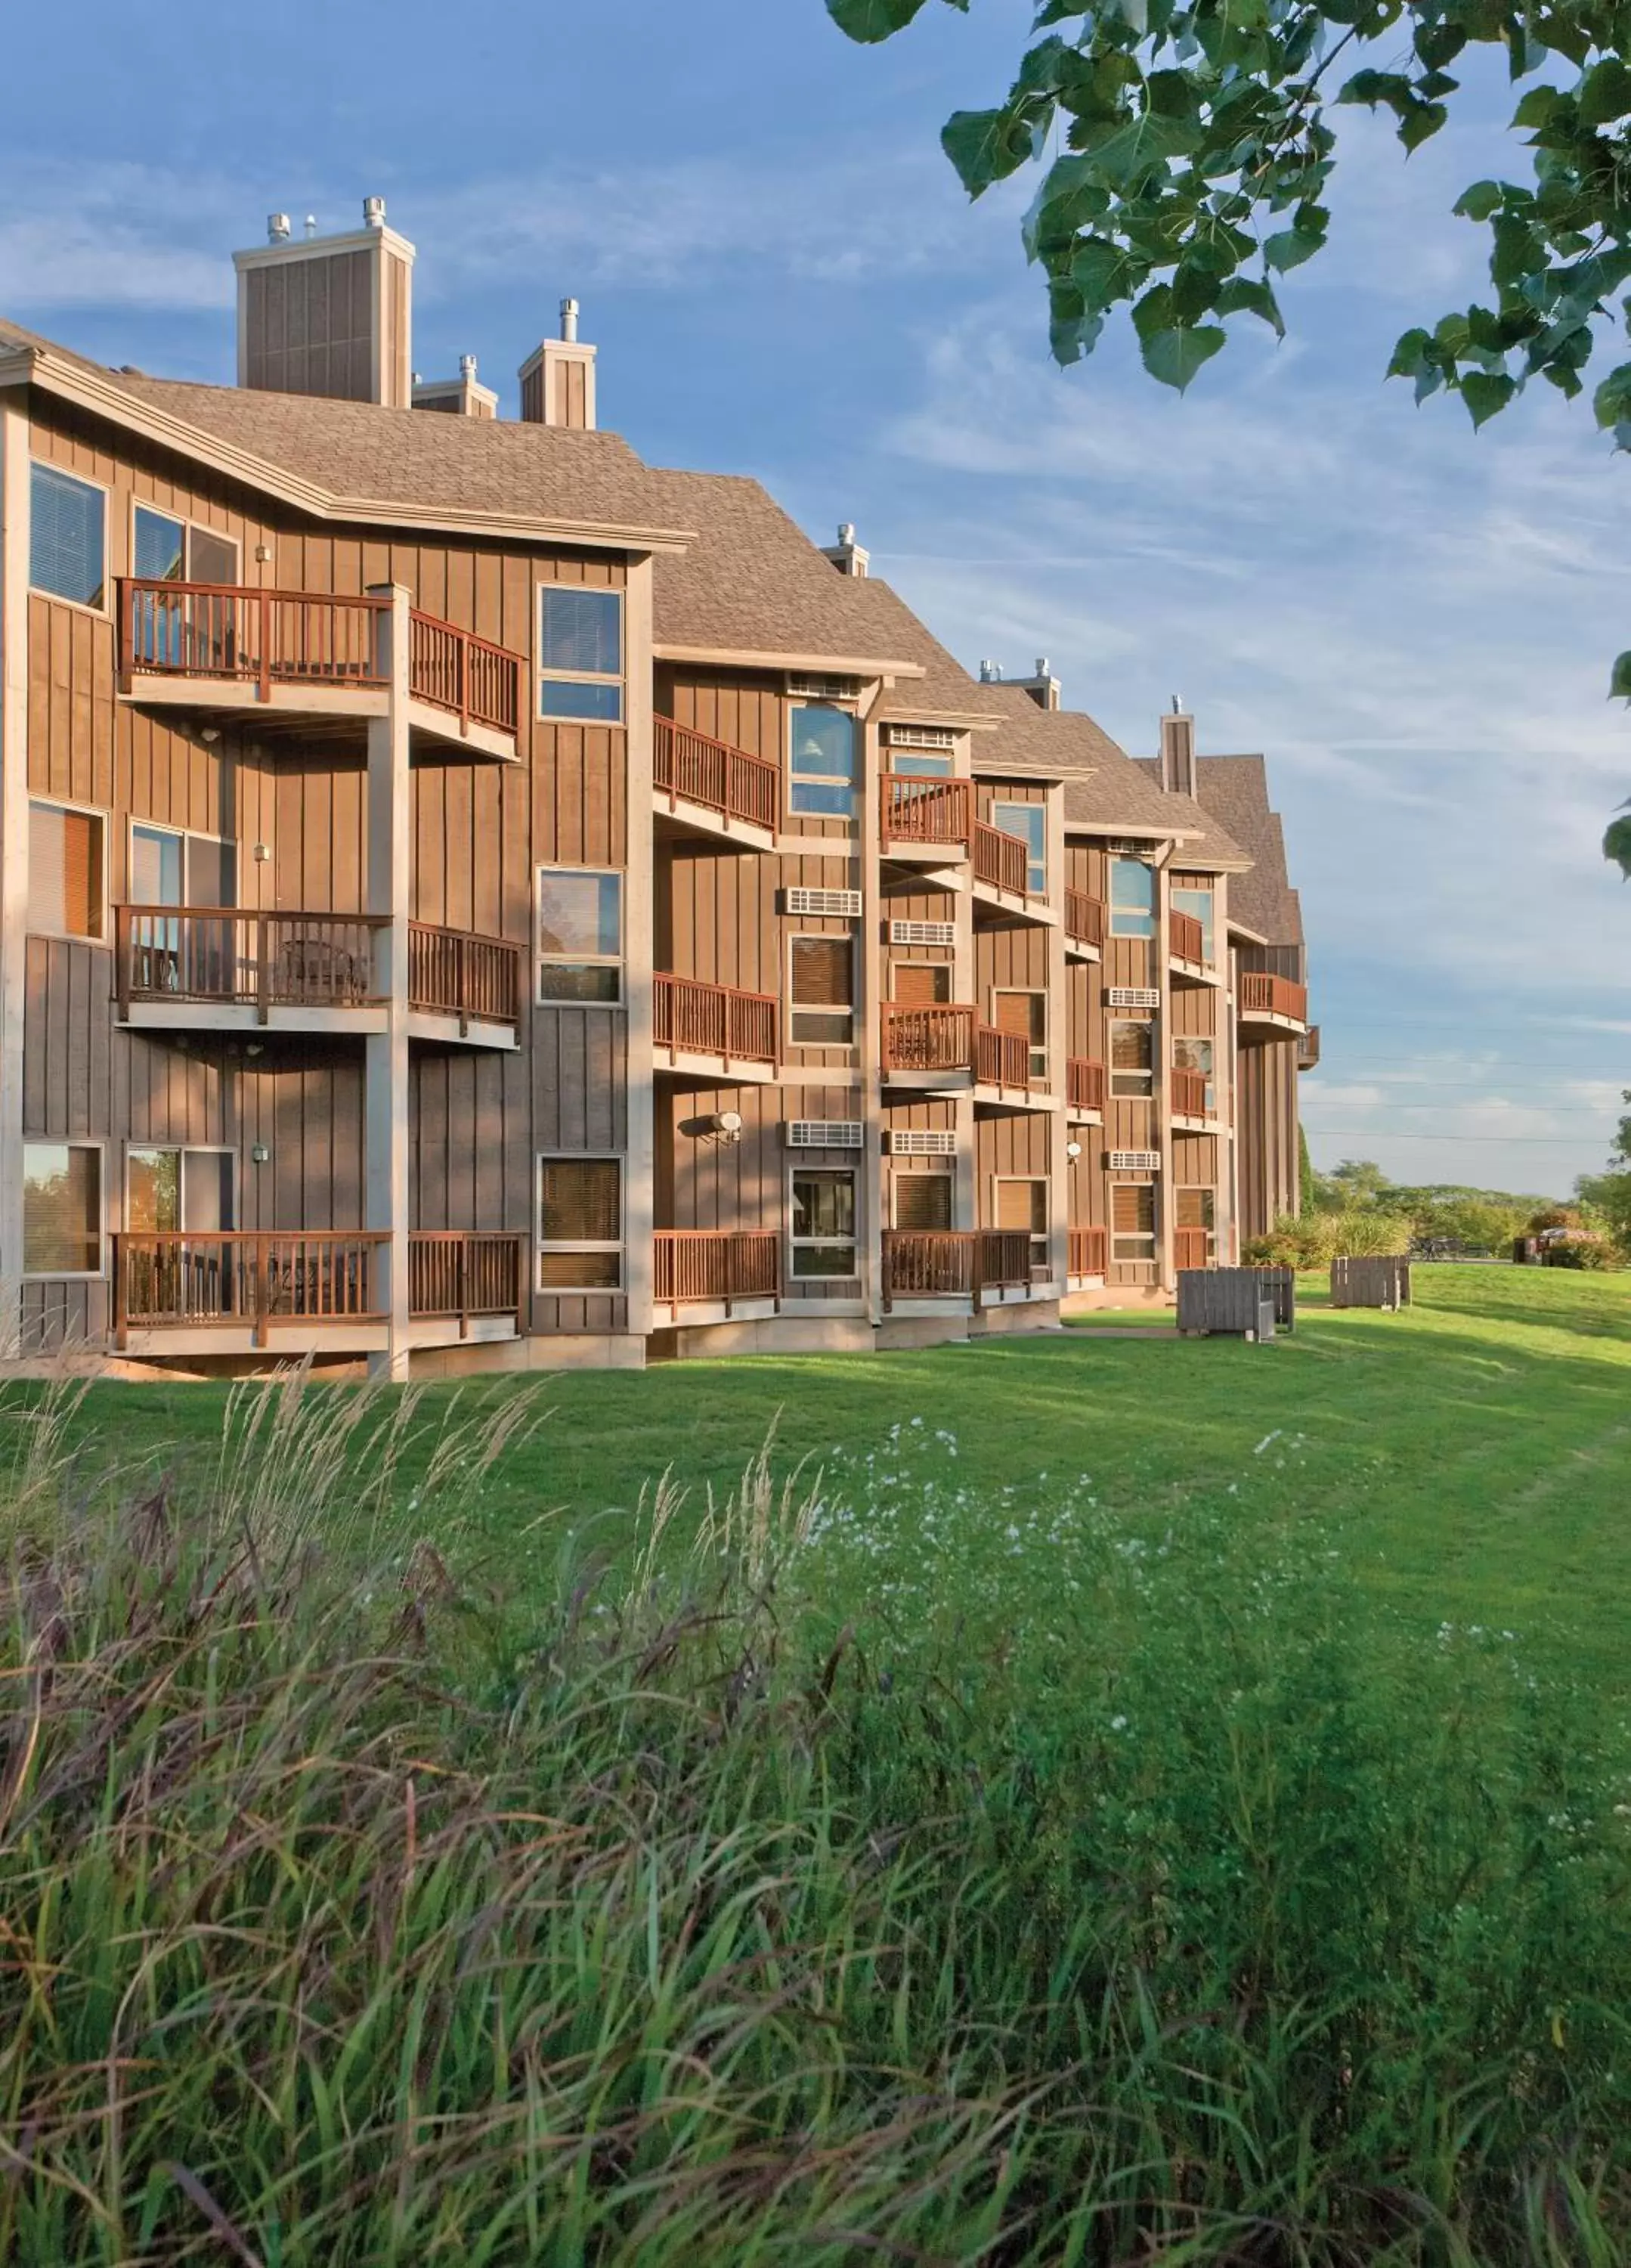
<point x="470" y="898"/>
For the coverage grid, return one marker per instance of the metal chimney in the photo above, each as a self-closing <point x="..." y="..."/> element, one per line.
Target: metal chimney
<point x="568" y="321"/>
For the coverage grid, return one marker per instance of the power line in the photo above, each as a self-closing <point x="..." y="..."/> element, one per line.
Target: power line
<point x="1408" y="1134"/>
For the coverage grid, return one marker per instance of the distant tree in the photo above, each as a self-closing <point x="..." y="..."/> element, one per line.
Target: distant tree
<point x="1607" y="1196"/>
<point x="1359" y="1181"/>
<point x="1306" y="1178"/>
<point x="1194" y="160"/>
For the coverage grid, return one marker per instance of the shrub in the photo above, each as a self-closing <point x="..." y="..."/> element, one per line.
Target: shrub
<point x="1317" y="1239"/>
<point x="347" y="1922"/>
<point x="1580" y="1250"/>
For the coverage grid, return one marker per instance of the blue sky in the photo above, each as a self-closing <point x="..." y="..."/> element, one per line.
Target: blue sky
<point x="783" y="278"/>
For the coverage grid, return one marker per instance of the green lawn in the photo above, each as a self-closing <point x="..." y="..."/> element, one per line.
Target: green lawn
<point x="1470" y="1461"/>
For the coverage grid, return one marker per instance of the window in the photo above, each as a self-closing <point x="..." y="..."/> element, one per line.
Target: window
<point x="1029" y="822"/>
<point x="62" y="1209"/>
<point x="1132" y="1220"/>
<point x="1197" y="1209"/>
<point x="580" y="1224"/>
<point x="1196" y="1055"/>
<point x="172" y="1189"/>
<point x="1131" y="1058"/>
<point x="919" y="764"/>
<point x="922" y="1201"/>
<point x="823" y="991"/>
<point x="823" y="763"/>
<point x="824" y="1223"/>
<point x="65" y="871"/>
<point x="921" y="984"/>
<point x="1132" y="898"/>
<point x="1025" y="1012"/>
<point x="580" y="649"/>
<point x="170" y="868"/>
<point x="67" y="537"/>
<point x="580" y="934"/>
<point x="166" y="550"/>
<point x="1199" y="904"/>
<point x="1024" y="1205"/>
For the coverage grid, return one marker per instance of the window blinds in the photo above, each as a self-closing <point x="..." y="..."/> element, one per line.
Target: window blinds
<point x="64" y="871"/>
<point x="581" y="1201"/>
<point x="924" y="1201"/>
<point x="66" y="546"/>
<point x="1133" y="1208"/>
<point x="822" y="972"/>
<point x="915" y="984"/>
<point x="1022" y="1204"/>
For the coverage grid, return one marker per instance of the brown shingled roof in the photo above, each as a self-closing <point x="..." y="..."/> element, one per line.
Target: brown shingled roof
<point x="1236" y="789"/>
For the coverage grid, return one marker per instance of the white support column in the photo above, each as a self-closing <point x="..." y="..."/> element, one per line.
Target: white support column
<point x="390" y="838"/>
<point x="14" y="507"/>
<point x="640" y="1161"/>
<point x="1058" y="1013"/>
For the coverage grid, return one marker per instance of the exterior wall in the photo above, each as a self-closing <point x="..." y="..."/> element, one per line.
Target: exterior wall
<point x="1270" y="1181"/>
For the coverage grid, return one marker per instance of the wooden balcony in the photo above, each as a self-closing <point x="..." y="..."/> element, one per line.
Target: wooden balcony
<point x="1308" y="1048"/>
<point x="1090" y="1252"/>
<point x="1084" y="1088"/>
<point x="1189" y="1248"/>
<point x="1085" y="925"/>
<point x="704" y="786"/>
<point x="1002" y="1061"/>
<point x="709" y="1033"/>
<point x="724" y="1269"/>
<point x="1269" y="1005"/>
<point x="931" y="1046"/>
<point x="924" y="817"/>
<point x="300" y="656"/>
<point x="1188" y="1098"/>
<point x="228" y="968"/>
<point x="1000" y="861"/>
<point x="1185" y="941"/>
<point x="227" y="1289"/>
<point x="969" y="1265"/>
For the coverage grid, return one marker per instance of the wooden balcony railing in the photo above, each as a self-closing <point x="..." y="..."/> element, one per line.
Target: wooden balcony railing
<point x="454" y="973"/>
<point x="714" y="774"/>
<point x="263" y="1279"/>
<point x="1308" y="1050"/>
<point x="225" y="633"/>
<point x="711" y="1020"/>
<point x="692" y="1267"/>
<point x="224" y="955"/>
<point x="1263" y="995"/>
<point x="1185" y="938"/>
<point x="1084" y="918"/>
<point x="469" y="676"/>
<point x="1001" y="861"/>
<point x="939" y="1038"/>
<point x="925" y="810"/>
<point x="953" y="1264"/>
<point x="1188" y="1092"/>
<point x="1090" y="1251"/>
<point x="467" y="1274"/>
<point x="1002" y="1058"/>
<point x="1189" y="1248"/>
<point x="1084" y="1084"/>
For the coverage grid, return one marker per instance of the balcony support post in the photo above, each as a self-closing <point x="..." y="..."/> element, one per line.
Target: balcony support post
<point x="390" y="825"/>
<point x="14" y="513"/>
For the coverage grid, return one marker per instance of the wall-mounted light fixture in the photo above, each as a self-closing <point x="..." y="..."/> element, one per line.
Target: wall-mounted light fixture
<point x="263" y="852"/>
<point x="210" y="735"/>
<point x="714" y="1126"/>
<point x="260" y="1154"/>
<point x="1073" y="1149"/>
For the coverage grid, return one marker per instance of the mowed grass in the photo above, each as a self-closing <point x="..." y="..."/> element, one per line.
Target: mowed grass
<point x="1469" y="1459"/>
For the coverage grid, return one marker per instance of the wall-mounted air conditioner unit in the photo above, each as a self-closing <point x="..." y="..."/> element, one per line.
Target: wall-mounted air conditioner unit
<point x="921" y="1142"/>
<point x="824" y="1134"/>
<point x="823" y="688"/>
<point x="1135" y="1162"/>
<point x="1133" y="996"/>
<point x="939" y="737"/>
<point x="833" y="905"/>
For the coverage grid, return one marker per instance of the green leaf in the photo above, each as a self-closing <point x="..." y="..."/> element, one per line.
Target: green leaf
<point x="1411" y="355"/>
<point x="1139" y="150"/>
<point x="1604" y="93"/>
<point x="1611" y="401"/>
<point x="1291" y="247"/>
<point x="869" y="21"/>
<point x="1485" y="391"/>
<point x="1419" y="122"/>
<point x="1104" y="273"/>
<point x="986" y="146"/>
<point x="1617" y="840"/>
<point x="1153" y="313"/>
<point x="1174" y="357"/>
<point x="1374" y="86"/>
<point x="1539" y="106"/>
<point x="1242" y="295"/>
<point x="1620" y="683"/>
<point x="1478" y="203"/>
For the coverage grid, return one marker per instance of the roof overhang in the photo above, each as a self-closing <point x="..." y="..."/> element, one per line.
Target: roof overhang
<point x="83" y="385"/>
<point x="842" y="665"/>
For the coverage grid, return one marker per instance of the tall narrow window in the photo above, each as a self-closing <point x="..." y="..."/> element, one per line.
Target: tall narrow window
<point x="1026" y="1014"/>
<point x="1198" y="905"/>
<point x="824" y="1223"/>
<point x="580" y="654"/>
<point x="922" y="1201"/>
<point x="823" y="763"/>
<point x="1131" y="1058"/>
<point x="67" y="537"/>
<point x="62" y="1208"/>
<point x="1132" y="898"/>
<point x="580" y="934"/>
<point x="580" y="1224"/>
<point x="1132" y="1220"/>
<point x="179" y="1190"/>
<point x="1024" y="1205"/>
<point x="1197" y="1209"/>
<point x="822" y="991"/>
<point x="1195" y="1056"/>
<point x="1029" y="822"/>
<point x="65" y="871"/>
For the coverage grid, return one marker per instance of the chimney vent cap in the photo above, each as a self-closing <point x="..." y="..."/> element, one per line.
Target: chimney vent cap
<point x="277" y="228"/>
<point x="1044" y="668"/>
<point x="990" y="673"/>
<point x="311" y="224"/>
<point x="373" y="212"/>
<point x="568" y="319"/>
<point x="466" y="365"/>
<point x="1178" y="706"/>
<point x="845" y="531"/>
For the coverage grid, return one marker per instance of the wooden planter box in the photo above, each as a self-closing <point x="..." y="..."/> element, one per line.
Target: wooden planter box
<point x="1251" y="1302"/>
<point x="1371" y="1283"/>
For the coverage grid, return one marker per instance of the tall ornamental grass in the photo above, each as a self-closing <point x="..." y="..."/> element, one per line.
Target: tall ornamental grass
<point x="344" y="1920"/>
